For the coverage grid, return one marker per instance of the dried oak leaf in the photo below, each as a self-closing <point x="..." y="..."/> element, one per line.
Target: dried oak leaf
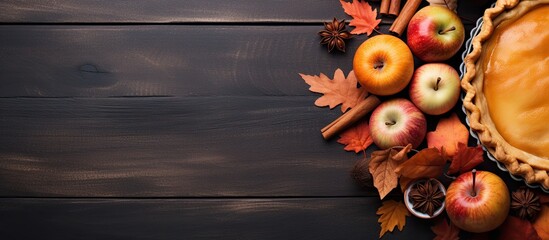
<point x="392" y="214"/>
<point x="542" y="222"/>
<point x="451" y="4"/>
<point x="356" y="138"/>
<point x="340" y="90"/>
<point x="364" y="16"/>
<point x="427" y="163"/>
<point x="445" y="231"/>
<point x="449" y="132"/>
<point x="466" y="159"/>
<point x="382" y="167"/>
<point x="515" y="228"/>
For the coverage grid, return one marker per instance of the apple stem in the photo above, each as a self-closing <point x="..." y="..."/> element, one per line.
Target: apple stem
<point x="390" y="123"/>
<point x="447" y="30"/>
<point x="378" y="65"/>
<point x="438" y="81"/>
<point x="474" y="193"/>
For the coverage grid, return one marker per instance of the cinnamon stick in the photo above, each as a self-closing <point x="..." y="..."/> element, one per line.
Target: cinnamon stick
<point x="394" y="8"/>
<point x="384" y="7"/>
<point x="408" y="11"/>
<point x="350" y="117"/>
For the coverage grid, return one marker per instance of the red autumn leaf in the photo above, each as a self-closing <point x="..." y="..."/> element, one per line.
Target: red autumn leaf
<point x="427" y="163"/>
<point x="356" y="138"/>
<point x="466" y="159"/>
<point x="449" y="132"/>
<point x="340" y="90"/>
<point x="515" y="228"/>
<point x="364" y="16"/>
<point x="445" y="231"/>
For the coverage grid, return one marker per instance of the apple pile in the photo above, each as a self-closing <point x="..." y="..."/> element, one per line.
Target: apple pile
<point x="384" y="66"/>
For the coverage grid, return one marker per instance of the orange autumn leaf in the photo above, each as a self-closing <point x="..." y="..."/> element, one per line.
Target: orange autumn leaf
<point x="393" y="214"/>
<point x="364" y="16"/>
<point x="542" y="222"/>
<point x="356" y="138"/>
<point x="449" y="132"/>
<point x="382" y="167"/>
<point x="466" y="159"/>
<point x="445" y="231"/>
<point x="427" y="163"/>
<point x="340" y="90"/>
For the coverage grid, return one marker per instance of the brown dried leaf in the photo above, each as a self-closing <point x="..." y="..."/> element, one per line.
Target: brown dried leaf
<point x="392" y="214"/>
<point x="445" y="231"/>
<point x="402" y="154"/>
<point x="515" y="228"/>
<point x="382" y="167"/>
<point x="383" y="171"/>
<point x="427" y="163"/>
<point x="466" y="159"/>
<point x="340" y="90"/>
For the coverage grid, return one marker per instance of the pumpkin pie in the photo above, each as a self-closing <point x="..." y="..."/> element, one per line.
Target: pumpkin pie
<point x="507" y="87"/>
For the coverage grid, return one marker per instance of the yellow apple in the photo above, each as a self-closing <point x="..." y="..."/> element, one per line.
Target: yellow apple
<point x="383" y="65"/>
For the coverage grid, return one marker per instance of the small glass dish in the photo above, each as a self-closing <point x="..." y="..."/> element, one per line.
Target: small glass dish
<point x="409" y="202"/>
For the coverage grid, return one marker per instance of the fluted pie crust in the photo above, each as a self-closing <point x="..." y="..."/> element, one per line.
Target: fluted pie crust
<point x="530" y="161"/>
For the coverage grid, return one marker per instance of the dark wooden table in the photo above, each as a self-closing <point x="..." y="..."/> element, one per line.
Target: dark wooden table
<point x="135" y="119"/>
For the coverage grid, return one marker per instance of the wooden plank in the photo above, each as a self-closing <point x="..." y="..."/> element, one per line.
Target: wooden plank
<point x="173" y="147"/>
<point x="169" y="11"/>
<point x="189" y="11"/>
<point x="194" y="146"/>
<point x="99" y="61"/>
<point x="103" y="61"/>
<point x="347" y="218"/>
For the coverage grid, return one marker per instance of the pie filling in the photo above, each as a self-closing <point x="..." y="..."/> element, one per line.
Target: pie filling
<point x="516" y="81"/>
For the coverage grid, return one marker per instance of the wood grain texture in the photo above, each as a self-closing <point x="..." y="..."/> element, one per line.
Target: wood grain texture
<point x="172" y="147"/>
<point x="100" y="61"/>
<point x="340" y="218"/>
<point x="104" y="61"/>
<point x="169" y="11"/>
<point x="189" y="11"/>
<point x="194" y="146"/>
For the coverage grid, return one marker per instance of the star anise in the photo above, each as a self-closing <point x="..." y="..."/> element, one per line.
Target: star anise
<point x="427" y="197"/>
<point x="525" y="203"/>
<point x="334" y="35"/>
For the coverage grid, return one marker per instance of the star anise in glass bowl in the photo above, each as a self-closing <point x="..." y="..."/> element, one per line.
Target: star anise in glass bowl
<point x="424" y="198"/>
<point x="334" y="35"/>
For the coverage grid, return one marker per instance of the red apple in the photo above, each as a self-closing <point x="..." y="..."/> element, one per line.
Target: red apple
<point x="383" y="65"/>
<point x="477" y="204"/>
<point x="435" y="88"/>
<point x="435" y="34"/>
<point x="397" y="122"/>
